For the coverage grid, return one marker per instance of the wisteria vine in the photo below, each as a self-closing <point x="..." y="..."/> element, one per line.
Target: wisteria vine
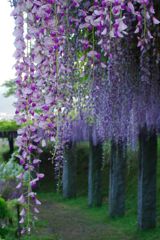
<point x="82" y="66"/>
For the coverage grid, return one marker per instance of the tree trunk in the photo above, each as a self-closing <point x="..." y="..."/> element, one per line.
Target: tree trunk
<point x="94" y="175"/>
<point x="147" y="179"/>
<point x="117" y="179"/>
<point x="69" y="172"/>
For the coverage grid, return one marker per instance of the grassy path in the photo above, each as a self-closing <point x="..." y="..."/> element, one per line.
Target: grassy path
<point x="69" y="223"/>
<point x="73" y="220"/>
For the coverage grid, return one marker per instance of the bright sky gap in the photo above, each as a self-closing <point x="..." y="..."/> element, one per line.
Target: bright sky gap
<point x="6" y="57"/>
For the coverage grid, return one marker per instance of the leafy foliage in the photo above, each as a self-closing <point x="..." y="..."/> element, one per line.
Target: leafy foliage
<point x="8" y="219"/>
<point x="3" y="209"/>
<point x="10" y="170"/>
<point x="8" y="126"/>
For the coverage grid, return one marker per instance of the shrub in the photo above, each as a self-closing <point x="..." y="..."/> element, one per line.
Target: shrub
<point x="10" y="170"/>
<point x="3" y="209"/>
<point x="8" y="178"/>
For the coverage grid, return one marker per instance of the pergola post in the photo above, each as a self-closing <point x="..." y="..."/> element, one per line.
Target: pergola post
<point x="117" y="179"/>
<point x="147" y="179"/>
<point x="94" y="175"/>
<point x="69" y="171"/>
<point x="11" y="144"/>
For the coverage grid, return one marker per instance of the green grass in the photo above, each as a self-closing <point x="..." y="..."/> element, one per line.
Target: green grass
<point x="126" y="225"/>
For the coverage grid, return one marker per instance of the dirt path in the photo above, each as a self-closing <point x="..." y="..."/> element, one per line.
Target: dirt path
<point x="62" y="222"/>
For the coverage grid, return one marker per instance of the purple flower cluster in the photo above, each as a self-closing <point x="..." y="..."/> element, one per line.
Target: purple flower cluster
<point x="81" y="76"/>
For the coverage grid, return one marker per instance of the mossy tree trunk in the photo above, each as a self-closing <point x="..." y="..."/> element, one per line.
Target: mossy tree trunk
<point x="147" y="179"/>
<point x="69" y="172"/>
<point x="95" y="175"/>
<point x="117" y="179"/>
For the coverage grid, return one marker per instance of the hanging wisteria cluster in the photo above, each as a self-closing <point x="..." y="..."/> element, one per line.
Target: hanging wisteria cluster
<point x="84" y="69"/>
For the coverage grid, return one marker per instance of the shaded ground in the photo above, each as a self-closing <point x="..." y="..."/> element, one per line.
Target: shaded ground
<point x="71" y="224"/>
<point x="72" y="220"/>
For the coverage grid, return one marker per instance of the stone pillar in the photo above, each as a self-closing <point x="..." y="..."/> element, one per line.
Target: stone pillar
<point x="94" y="175"/>
<point x="69" y="172"/>
<point x="117" y="179"/>
<point x="147" y="179"/>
